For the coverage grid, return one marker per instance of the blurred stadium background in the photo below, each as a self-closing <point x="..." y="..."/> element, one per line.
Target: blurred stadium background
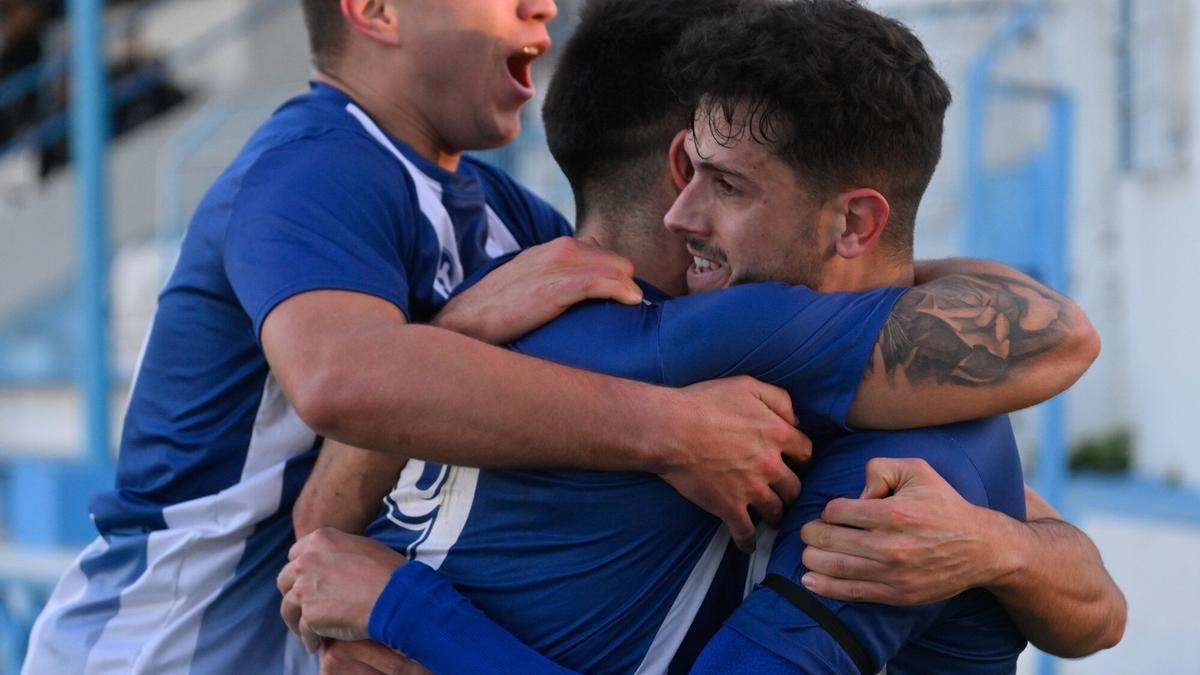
<point x="1071" y="151"/>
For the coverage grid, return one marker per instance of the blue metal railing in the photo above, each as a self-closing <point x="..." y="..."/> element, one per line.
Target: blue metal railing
<point x="34" y="78"/>
<point x="45" y="500"/>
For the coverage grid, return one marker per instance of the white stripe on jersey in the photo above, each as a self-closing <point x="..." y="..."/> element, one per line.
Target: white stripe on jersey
<point x="57" y="655"/>
<point x="157" y="627"/>
<point x="500" y="240"/>
<point x="764" y="543"/>
<point x="456" y="498"/>
<point x="429" y="199"/>
<point x="687" y="603"/>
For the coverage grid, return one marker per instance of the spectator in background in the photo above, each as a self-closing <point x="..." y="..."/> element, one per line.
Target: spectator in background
<point x="21" y="25"/>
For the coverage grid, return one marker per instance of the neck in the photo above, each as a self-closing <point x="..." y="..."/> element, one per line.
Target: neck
<point x="395" y="114"/>
<point x="872" y="270"/>
<point x="658" y="256"/>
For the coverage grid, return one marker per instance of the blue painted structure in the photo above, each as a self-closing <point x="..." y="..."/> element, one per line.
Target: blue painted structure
<point x="1018" y="212"/>
<point x="65" y="336"/>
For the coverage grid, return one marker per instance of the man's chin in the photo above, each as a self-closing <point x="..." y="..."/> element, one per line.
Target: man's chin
<point x="703" y="282"/>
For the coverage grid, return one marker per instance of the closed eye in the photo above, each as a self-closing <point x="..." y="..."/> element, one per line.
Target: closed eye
<point x="724" y="187"/>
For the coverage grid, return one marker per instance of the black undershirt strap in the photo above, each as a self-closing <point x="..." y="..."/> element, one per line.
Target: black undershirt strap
<point x="807" y="603"/>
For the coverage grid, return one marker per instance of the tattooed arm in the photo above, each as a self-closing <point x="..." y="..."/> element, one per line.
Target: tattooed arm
<point x="971" y="344"/>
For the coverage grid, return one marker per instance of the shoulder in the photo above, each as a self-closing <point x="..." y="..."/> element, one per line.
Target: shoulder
<point x="330" y="171"/>
<point x="532" y="219"/>
<point x="777" y="303"/>
<point x="584" y="336"/>
<point x="846" y="457"/>
<point x="978" y="458"/>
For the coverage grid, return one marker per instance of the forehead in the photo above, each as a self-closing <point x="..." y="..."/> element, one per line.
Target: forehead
<point x="733" y="143"/>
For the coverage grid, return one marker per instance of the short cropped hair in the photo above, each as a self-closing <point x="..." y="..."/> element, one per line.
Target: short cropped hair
<point x="610" y="111"/>
<point x="326" y="30"/>
<point x="846" y="97"/>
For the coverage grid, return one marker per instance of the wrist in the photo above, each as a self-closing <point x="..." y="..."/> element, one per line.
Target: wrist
<point x="449" y="319"/>
<point x="657" y="428"/>
<point x="1012" y="546"/>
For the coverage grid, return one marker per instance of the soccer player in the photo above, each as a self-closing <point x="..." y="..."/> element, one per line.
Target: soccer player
<point x="347" y="219"/>
<point x="517" y="544"/>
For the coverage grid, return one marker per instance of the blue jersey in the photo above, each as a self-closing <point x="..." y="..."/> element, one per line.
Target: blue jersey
<point x="609" y="572"/>
<point x="969" y="633"/>
<point x="212" y="455"/>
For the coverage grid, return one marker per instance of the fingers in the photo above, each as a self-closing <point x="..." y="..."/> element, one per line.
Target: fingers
<point x="593" y="272"/>
<point x="291" y="612"/>
<point x="887" y="475"/>
<point x="770" y="507"/>
<point x="787" y="487"/>
<point x="363" y="656"/>
<point x="777" y="400"/>
<point x="843" y="540"/>
<point x="286" y="579"/>
<point x="599" y="286"/>
<point x="849" y="591"/>
<point x="841" y="566"/>
<point x="860" y="513"/>
<point x="741" y="529"/>
<point x="311" y="640"/>
<point x="797" y="449"/>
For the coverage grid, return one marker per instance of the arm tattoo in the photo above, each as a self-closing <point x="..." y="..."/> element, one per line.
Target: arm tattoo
<point x="970" y="329"/>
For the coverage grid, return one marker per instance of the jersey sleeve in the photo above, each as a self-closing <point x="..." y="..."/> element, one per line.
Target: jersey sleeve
<point x="772" y="622"/>
<point x="422" y="616"/>
<point x="311" y="215"/>
<point x="531" y="219"/>
<point x="814" y="345"/>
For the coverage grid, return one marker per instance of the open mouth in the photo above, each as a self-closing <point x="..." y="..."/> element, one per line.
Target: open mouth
<point x="706" y="274"/>
<point x="705" y="265"/>
<point x="520" y="66"/>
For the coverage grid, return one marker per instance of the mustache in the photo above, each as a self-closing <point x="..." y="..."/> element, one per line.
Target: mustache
<point x="706" y="250"/>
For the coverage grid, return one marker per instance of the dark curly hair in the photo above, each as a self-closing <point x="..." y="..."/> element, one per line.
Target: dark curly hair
<point x="326" y="30"/>
<point x="610" y="111"/>
<point x="846" y="97"/>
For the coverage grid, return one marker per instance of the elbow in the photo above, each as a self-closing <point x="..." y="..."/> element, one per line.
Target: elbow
<point x="1105" y="635"/>
<point x="1080" y="347"/>
<point x="324" y="400"/>
<point x="1086" y="339"/>
<point x="1115" y="630"/>
<point x="1088" y="342"/>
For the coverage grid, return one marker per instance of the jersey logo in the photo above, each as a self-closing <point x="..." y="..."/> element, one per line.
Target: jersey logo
<point x="414" y="503"/>
<point x="445" y="282"/>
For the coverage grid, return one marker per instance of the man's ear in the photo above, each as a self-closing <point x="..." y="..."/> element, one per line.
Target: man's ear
<point x="681" y="165"/>
<point x="375" y="19"/>
<point x="865" y="213"/>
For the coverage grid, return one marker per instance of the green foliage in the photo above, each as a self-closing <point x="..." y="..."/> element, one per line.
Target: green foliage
<point x="1111" y="454"/>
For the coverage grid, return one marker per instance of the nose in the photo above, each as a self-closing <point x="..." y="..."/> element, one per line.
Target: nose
<point x="537" y="10"/>
<point x="684" y="218"/>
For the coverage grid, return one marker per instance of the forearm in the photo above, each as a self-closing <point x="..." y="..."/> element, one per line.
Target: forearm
<point x="423" y="616"/>
<point x="345" y="489"/>
<point x="430" y="394"/>
<point x="971" y="345"/>
<point x="1055" y="588"/>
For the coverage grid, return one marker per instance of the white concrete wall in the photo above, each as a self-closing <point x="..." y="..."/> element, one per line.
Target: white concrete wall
<point x="1131" y="237"/>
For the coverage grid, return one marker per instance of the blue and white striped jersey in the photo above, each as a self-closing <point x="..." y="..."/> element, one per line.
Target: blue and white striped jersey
<point x="616" y="572"/>
<point x="212" y="455"/>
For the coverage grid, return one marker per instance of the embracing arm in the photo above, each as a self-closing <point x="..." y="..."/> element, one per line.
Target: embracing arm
<point x="976" y="339"/>
<point x="345" y="489"/>
<point x="924" y="542"/>
<point x="356" y="372"/>
<point x="1056" y="588"/>
<point x="345" y="587"/>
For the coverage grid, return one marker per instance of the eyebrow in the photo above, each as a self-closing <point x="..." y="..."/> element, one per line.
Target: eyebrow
<point x="713" y="167"/>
